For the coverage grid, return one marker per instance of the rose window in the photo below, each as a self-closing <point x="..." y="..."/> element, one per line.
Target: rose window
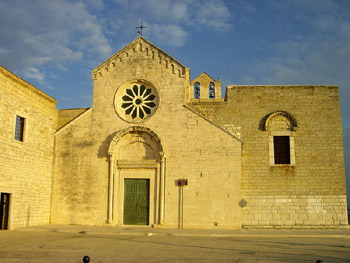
<point x="136" y="101"/>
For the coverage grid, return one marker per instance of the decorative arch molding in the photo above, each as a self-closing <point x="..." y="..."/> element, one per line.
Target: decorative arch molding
<point x="288" y="116"/>
<point x="137" y="47"/>
<point x="132" y="129"/>
<point x="115" y="180"/>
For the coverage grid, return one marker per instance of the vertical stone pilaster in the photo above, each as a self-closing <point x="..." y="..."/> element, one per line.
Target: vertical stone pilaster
<point x="162" y="187"/>
<point x="110" y="188"/>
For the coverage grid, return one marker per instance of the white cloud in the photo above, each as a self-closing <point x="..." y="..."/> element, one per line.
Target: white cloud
<point x="180" y="11"/>
<point x="94" y="4"/>
<point x="169" y="34"/>
<point x="3" y="51"/>
<point x="180" y="17"/>
<point x="213" y="14"/>
<point x="39" y="34"/>
<point x="35" y="74"/>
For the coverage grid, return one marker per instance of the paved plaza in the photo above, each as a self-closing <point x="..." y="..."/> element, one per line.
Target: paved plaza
<point x="55" y="243"/>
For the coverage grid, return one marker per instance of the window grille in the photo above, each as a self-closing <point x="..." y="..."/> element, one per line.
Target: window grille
<point x="19" y="131"/>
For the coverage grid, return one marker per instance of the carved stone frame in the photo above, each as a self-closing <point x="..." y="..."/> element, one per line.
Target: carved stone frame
<point x="116" y="181"/>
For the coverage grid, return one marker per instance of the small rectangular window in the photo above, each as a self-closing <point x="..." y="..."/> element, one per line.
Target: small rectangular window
<point x="19" y="131"/>
<point x="281" y="149"/>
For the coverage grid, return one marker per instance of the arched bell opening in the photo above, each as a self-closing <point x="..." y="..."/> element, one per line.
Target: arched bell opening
<point x="136" y="178"/>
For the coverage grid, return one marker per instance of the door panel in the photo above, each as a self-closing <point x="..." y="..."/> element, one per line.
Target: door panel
<point x="4" y="210"/>
<point x="136" y="201"/>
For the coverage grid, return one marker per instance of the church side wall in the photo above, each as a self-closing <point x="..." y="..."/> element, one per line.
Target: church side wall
<point x="310" y="193"/>
<point x="26" y="166"/>
<point x="211" y="161"/>
<point x="74" y="198"/>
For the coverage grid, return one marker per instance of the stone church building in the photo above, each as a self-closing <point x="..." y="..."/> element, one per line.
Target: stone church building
<point x="160" y="149"/>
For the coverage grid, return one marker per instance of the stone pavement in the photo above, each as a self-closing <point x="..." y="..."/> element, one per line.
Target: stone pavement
<point x="70" y="243"/>
<point x="149" y="231"/>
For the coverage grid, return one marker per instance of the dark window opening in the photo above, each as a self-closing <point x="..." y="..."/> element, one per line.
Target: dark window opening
<point x="19" y="131"/>
<point x="197" y="90"/>
<point x="281" y="149"/>
<point x="211" y="90"/>
<point x="4" y="210"/>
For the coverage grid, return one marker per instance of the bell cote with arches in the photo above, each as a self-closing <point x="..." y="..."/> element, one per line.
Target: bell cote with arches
<point x="205" y="88"/>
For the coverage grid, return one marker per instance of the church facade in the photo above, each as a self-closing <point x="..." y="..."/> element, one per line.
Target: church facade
<point x="160" y="149"/>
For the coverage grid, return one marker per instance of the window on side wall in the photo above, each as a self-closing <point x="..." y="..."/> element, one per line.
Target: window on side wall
<point x="281" y="128"/>
<point x="19" y="130"/>
<point x="281" y="148"/>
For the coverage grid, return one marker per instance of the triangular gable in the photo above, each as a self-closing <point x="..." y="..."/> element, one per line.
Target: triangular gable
<point x="204" y="74"/>
<point x="130" y="48"/>
<point x="69" y="123"/>
<point x="213" y="123"/>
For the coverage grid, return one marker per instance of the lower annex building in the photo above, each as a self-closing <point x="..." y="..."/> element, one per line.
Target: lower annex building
<point x="159" y="149"/>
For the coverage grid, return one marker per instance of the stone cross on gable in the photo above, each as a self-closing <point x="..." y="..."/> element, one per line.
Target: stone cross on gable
<point x="141" y="27"/>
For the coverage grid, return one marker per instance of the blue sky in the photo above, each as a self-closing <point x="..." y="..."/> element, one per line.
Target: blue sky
<point x="55" y="44"/>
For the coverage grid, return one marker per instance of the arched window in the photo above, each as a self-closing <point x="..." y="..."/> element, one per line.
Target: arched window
<point x="281" y="127"/>
<point x="211" y="90"/>
<point x="146" y="49"/>
<point x="172" y="69"/>
<point x="197" y="90"/>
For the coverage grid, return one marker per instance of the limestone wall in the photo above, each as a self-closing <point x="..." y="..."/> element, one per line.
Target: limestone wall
<point x="26" y="167"/>
<point x="74" y="197"/>
<point x="311" y="192"/>
<point x="195" y="149"/>
<point x="67" y="115"/>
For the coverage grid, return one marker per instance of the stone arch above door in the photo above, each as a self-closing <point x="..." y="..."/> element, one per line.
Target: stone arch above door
<point x="132" y="135"/>
<point x="138" y="150"/>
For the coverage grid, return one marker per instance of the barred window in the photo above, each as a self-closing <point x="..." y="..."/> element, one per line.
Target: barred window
<point x="19" y="130"/>
<point x="281" y="149"/>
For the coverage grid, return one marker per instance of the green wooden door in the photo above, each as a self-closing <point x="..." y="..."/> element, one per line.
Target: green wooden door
<point x="136" y="201"/>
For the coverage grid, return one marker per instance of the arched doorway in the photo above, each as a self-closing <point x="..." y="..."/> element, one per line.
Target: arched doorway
<point x="136" y="178"/>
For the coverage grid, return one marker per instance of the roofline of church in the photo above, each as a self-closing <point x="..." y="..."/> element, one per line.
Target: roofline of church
<point x="72" y="120"/>
<point x="283" y="86"/>
<point x="207" y="75"/>
<point x="27" y="84"/>
<point x="82" y="108"/>
<point x="211" y="122"/>
<point x="107" y="61"/>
